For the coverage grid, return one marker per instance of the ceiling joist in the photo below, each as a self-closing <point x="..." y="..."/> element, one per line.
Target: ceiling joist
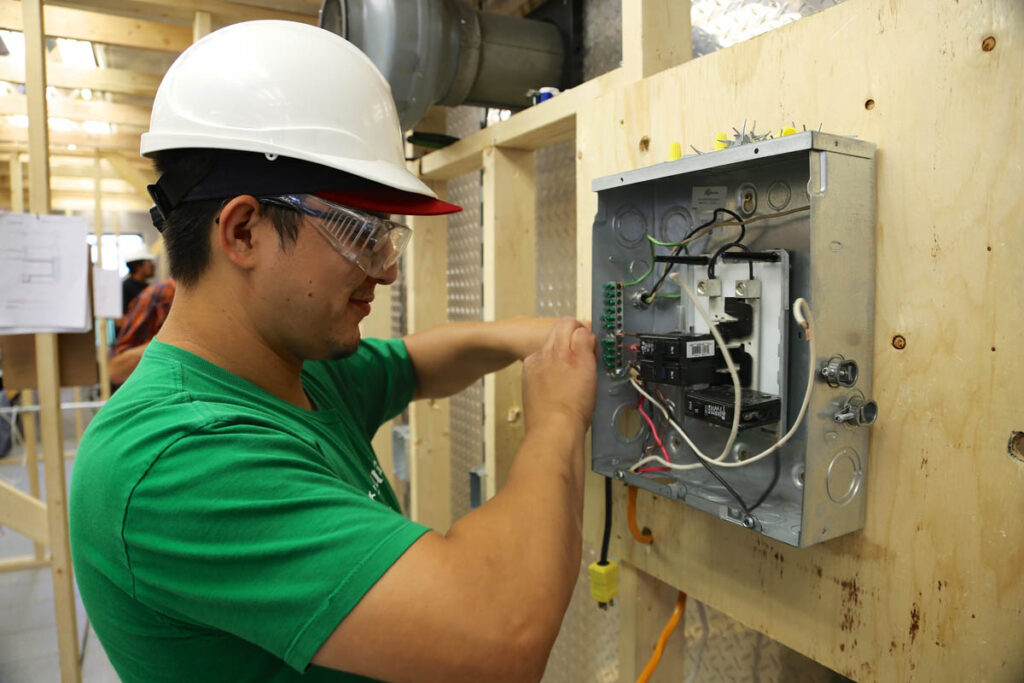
<point x="107" y="80"/>
<point x="77" y="110"/>
<point x="119" y="141"/>
<point x="64" y="22"/>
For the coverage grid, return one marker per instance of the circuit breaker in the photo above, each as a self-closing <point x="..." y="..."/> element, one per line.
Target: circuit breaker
<point x="733" y="301"/>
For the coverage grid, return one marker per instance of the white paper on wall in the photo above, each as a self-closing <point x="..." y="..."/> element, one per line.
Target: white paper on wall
<point x="106" y="293"/>
<point x="44" y="268"/>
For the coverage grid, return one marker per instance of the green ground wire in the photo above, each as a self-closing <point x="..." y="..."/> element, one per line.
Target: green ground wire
<point x="651" y="241"/>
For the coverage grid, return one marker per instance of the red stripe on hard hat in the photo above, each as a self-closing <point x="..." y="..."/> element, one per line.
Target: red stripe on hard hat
<point x="390" y="200"/>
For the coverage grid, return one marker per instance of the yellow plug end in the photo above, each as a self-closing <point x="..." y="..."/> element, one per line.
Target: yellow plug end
<point x="604" y="581"/>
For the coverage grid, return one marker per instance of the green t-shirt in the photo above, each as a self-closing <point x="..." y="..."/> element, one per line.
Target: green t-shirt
<point x="219" y="533"/>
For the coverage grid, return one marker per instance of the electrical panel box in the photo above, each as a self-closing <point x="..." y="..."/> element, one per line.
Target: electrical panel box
<point x="750" y="231"/>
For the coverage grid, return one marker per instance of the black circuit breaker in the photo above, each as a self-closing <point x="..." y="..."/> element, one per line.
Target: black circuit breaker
<point x="717" y="405"/>
<point x="676" y="358"/>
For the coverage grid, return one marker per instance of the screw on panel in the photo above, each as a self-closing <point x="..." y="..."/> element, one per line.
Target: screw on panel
<point x="899" y="342"/>
<point x="988" y="44"/>
<point x="619" y="474"/>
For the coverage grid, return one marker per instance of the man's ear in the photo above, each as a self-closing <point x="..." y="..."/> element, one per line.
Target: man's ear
<point x="233" y="230"/>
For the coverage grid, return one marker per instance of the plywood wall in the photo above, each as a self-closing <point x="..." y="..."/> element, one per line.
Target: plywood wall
<point x="933" y="588"/>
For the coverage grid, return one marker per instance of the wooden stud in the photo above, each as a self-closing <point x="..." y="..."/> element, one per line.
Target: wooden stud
<point x="80" y="24"/>
<point x="47" y="359"/>
<point x="120" y="141"/>
<point x="103" y="349"/>
<point x="540" y="126"/>
<point x="97" y="110"/>
<point x="429" y="421"/>
<point x="378" y="325"/>
<point x="201" y="25"/>
<point x="23" y="513"/>
<point x="14" y="564"/>
<point x="107" y="80"/>
<point x="656" y="35"/>
<point x="509" y="274"/>
<point x="131" y="173"/>
<point x="645" y="605"/>
<point x="225" y="12"/>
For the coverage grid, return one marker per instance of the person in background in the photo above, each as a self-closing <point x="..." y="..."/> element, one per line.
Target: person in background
<point x="140" y="269"/>
<point x="142" y="321"/>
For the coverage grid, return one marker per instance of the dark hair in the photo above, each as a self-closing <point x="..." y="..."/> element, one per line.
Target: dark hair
<point x="186" y="231"/>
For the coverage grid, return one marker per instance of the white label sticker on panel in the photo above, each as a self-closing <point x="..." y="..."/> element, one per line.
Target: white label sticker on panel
<point x="700" y="349"/>
<point x="709" y="197"/>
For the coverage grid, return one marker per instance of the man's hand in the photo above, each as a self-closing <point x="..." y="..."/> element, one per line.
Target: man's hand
<point x="561" y="376"/>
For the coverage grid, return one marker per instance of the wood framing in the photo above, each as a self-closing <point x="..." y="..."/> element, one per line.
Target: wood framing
<point x="378" y="325"/>
<point x="23" y="513"/>
<point x="894" y="601"/>
<point x="108" y="80"/>
<point x="173" y="11"/>
<point x="47" y="359"/>
<point x="65" y="22"/>
<point x="429" y="420"/>
<point x="510" y="270"/>
<point x="132" y="174"/>
<point x="645" y="605"/>
<point x="109" y="112"/>
<point x="656" y="35"/>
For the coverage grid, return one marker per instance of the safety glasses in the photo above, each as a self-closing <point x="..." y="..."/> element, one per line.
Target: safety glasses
<point x="372" y="243"/>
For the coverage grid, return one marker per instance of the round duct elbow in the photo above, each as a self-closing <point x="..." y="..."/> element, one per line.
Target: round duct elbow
<point x="447" y="52"/>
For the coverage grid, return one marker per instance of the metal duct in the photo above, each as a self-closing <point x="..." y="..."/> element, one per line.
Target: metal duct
<point x="446" y="52"/>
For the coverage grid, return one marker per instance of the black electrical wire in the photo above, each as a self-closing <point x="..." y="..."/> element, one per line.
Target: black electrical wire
<point x="732" y="492"/>
<point x="606" y="536"/>
<point x="709" y="223"/>
<point x="718" y="254"/>
<point x="771" y="486"/>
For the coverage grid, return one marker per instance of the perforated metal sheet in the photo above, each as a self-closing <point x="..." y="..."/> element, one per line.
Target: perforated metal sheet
<point x="465" y="303"/>
<point x="586" y="650"/>
<point x="602" y="37"/>
<point x="721" y="23"/>
<point x="737" y="654"/>
<point x="556" y="229"/>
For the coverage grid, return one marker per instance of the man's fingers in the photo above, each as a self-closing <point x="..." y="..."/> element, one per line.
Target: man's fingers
<point x="582" y="341"/>
<point x="561" y="333"/>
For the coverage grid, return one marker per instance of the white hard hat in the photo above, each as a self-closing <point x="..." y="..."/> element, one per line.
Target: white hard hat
<point x="289" y="89"/>
<point x="136" y="252"/>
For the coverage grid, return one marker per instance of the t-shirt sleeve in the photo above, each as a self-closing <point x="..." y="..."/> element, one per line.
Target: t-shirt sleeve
<point x="268" y="544"/>
<point x="383" y="375"/>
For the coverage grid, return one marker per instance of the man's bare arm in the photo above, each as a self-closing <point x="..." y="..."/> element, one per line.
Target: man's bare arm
<point x="486" y="600"/>
<point x="448" y="358"/>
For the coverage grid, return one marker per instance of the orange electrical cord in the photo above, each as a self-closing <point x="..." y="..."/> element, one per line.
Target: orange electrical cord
<point x="641" y="537"/>
<point x="666" y="632"/>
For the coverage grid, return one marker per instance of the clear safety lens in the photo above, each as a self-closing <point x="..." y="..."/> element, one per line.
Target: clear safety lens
<point x="371" y="242"/>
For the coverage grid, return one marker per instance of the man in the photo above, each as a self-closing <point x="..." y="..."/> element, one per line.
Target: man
<point x="229" y="520"/>
<point x="140" y="270"/>
<point x="141" y="323"/>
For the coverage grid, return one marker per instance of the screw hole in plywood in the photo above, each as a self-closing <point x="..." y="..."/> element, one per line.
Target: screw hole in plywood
<point x="899" y="342"/>
<point x="869" y="104"/>
<point x="1015" y="447"/>
<point x="645" y="143"/>
<point x="988" y="44"/>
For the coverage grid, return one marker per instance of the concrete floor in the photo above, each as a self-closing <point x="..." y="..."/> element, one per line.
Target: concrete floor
<point x="28" y="632"/>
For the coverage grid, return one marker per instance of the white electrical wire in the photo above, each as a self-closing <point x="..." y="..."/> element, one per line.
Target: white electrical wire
<point x="806" y="320"/>
<point x="737" y="403"/>
<point x="692" y="677"/>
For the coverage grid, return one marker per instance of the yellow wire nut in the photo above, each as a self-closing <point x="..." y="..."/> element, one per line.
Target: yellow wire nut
<point x="721" y="141"/>
<point x="604" y="581"/>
